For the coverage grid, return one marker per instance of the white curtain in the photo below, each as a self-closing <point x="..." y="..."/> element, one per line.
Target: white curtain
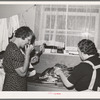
<point x="3" y="34"/>
<point x="2" y="77"/>
<point x="13" y="24"/>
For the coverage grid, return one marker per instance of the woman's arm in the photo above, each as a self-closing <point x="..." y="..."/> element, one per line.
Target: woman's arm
<point x="63" y="78"/>
<point x="22" y="71"/>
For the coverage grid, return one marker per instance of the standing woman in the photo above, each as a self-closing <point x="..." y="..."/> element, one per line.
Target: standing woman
<point x="15" y="63"/>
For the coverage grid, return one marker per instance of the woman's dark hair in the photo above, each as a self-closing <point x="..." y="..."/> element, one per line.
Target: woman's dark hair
<point x="33" y="39"/>
<point x="24" y="32"/>
<point x="87" y="47"/>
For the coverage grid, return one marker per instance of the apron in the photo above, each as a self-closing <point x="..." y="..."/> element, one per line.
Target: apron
<point x="93" y="78"/>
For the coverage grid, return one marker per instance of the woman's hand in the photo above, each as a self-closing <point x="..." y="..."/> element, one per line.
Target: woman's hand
<point x="29" y="49"/>
<point x="58" y="71"/>
<point x="42" y="48"/>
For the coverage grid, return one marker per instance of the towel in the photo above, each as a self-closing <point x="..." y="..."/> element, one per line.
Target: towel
<point x="13" y="24"/>
<point x="3" y="34"/>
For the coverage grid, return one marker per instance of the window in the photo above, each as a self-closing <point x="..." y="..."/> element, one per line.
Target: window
<point x="68" y="24"/>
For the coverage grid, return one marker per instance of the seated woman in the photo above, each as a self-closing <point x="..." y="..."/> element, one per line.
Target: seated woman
<point x="82" y="75"/>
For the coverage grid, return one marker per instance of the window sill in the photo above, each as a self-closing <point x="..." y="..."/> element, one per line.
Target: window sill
<point x="61" y="54"/>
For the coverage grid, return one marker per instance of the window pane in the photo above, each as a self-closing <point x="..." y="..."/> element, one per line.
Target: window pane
<point x="61" y="21"/>
<point x="50" y="21"/>
<point x="62" y="8"/>
<point x="76" y="22"/>
<point x="82" y="8"/>
<point x="48" y="37"/>
<point x="60" y="32"/>
<point x="60" y="38"/>
<point x="73" y="40"/>
<point x="92" y="23"/>
<point x="49" y="31"/>
<point x="74" y="33"/>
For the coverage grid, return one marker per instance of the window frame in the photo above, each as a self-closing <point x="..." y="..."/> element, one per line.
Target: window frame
<point x="43" y="23"/>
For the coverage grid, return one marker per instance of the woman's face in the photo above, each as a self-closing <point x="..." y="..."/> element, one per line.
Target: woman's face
<point x="26" y="41"/>
<point x="80" y="54"/>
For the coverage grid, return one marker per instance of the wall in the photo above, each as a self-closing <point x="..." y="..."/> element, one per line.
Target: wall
<point x="24" y="11"/>
<point x="10" y="10"/>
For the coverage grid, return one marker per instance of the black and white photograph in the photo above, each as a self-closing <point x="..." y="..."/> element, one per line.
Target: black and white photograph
<point x="50" y="49"/>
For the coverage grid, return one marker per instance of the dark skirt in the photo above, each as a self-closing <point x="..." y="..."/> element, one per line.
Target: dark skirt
<point x="13" y="82"/>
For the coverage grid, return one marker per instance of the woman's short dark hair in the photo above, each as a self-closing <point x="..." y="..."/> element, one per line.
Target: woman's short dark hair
<point x="24" y="32"/>
<point x="87" y="47"/>
<point x="33" y="39"/>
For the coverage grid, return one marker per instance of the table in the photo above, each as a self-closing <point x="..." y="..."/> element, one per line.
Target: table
<point x="34" y="86"/>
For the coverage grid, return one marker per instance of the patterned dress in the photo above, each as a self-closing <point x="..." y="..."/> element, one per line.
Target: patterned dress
<point x="13" y="59"/>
